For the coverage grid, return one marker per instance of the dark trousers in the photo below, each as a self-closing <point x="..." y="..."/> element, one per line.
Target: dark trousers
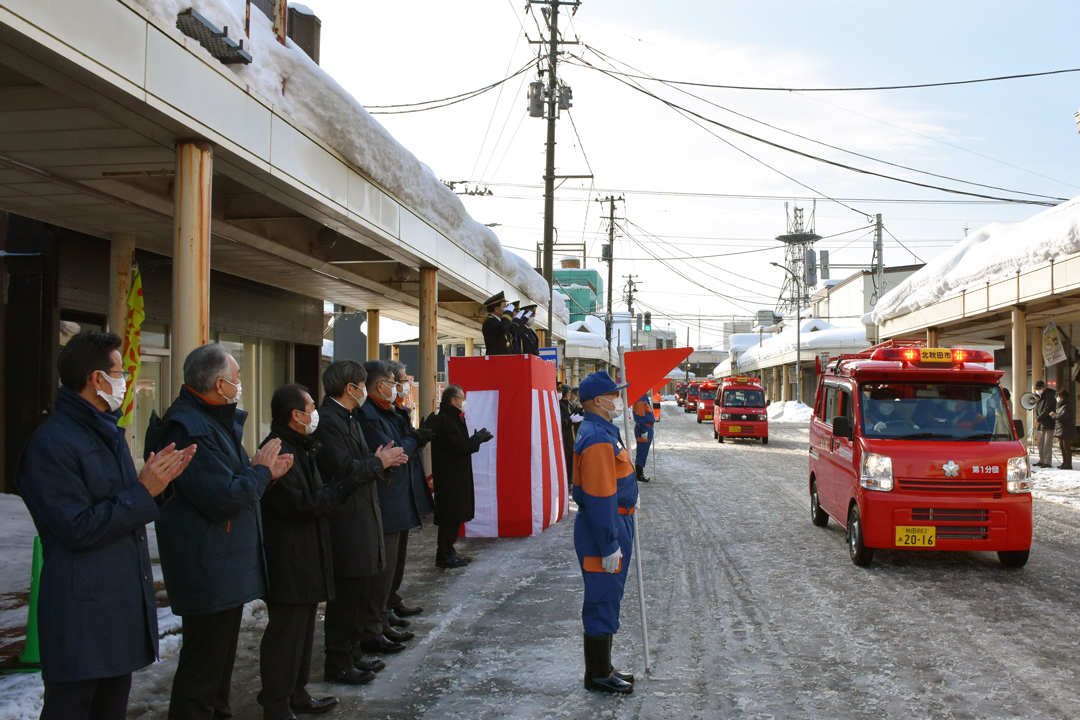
<point x="204" y="672"/>
<point x="397" y="561"/>
<point x="384" y="581"/>
<point x="448" y="535"/>
<point x="285" y="658"/>
<point x="1066" y="452"/>
<point x="354" y="615"/>
<point x="98" y="699"/>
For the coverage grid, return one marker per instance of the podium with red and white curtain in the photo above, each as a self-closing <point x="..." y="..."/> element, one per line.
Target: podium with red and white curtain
<point x="520" y="476"/>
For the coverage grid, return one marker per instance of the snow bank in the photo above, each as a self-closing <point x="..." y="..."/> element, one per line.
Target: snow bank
<point x="669" y="398"/>
<point x="1057" y="486"/>
<point x="991" y="253"/>
<point x="790" y="413"/>
<point x="816" y="334"/>
<point x="287" y="77"/>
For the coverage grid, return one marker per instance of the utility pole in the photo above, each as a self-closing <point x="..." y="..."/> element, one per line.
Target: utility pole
<point x="879" y="268"/>
<point x="556" y="98"/>
<point x="630" y="295"/>
<point x="609" y="257"/>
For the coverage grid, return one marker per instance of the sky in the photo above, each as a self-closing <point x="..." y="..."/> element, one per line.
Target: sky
<point x="1020" y="135"/>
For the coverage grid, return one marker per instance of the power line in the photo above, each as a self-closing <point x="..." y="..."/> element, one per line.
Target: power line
<point x="800" y="153"/>
<point x="825" y="144"/>
<point x="445" y="102"/>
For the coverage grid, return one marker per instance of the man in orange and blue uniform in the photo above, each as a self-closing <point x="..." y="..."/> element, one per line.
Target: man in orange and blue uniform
<point x="605" y="490"/>
<point x="643" y="432"/>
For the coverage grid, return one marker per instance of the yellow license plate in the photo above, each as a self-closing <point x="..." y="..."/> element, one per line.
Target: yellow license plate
<point x="935" y="355"/>
<point x="918" y="536"/>
<point x="735" y="428"/>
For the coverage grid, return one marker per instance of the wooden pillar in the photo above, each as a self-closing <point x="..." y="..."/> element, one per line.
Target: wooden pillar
<point x="395" y="353"/>
<point x="784" y="384"/>
<point x="429" y="293"/>
<point x="1037" y="367"/>
<point x="281" y="13"/>
<point x="541" y="334"/>
<point x="1019" y="359"/>
<point x="191" y="253"/>
<point x="373" y="335"/>
<point x="121" y="255"/>
<point x="931" y="337"/>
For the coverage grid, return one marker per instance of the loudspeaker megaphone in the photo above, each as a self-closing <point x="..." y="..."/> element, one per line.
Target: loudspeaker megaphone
<point x="1028" y="401"/>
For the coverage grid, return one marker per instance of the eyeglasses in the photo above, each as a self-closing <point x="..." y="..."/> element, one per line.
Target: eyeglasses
<point x="123" y="373"/>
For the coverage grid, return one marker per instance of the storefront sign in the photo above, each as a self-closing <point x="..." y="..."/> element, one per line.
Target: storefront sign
<point x="1053" y="351"/>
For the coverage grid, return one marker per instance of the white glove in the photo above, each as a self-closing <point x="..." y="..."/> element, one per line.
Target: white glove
<point x="577" y="418"/>
<point x="518" y="315"/>
<point x="879" y="426"/>
<point x="611" y="562"/>
<point x="509" y="308"/>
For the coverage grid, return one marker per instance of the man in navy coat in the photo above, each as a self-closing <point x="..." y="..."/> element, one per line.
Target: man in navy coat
<point x="97" y="617"/>
<point x="210" y="534"/>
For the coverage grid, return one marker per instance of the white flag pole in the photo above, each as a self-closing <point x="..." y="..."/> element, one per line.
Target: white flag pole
<point x="637" y="544"/>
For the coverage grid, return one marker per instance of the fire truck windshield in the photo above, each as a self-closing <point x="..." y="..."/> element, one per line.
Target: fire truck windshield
<point x="751" y="398"/>
<point x="934" y="411"/>
<point x="708" y="394"/>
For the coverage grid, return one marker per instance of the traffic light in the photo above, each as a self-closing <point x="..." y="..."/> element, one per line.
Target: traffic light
<point x="648" y="322"/>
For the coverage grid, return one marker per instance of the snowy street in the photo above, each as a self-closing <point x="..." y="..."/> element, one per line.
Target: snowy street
<point x="753" y="612"/>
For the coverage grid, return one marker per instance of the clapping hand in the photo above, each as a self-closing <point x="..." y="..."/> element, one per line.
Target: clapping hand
<point x="483" y="435"/>
<point x="391" y="456"/>
<point x="163" y="467"/>
<point x="269" y="456"/>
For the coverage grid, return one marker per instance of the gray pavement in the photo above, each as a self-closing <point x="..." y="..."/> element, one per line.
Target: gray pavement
<point x="753" y="613"/>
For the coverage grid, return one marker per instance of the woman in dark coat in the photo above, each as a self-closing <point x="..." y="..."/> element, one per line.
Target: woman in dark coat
<point x="451" y="469"/>
<point x="1064" y="428"/>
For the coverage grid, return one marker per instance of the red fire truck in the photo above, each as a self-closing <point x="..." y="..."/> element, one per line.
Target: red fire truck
<point x="913" y="448"/>
<point x="706" y="399"/>
<point x="740" y="410"/>
<point x="691" y="402"/>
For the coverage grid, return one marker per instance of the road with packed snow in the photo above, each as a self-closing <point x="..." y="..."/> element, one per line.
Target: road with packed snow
<point x="753" y="613"/>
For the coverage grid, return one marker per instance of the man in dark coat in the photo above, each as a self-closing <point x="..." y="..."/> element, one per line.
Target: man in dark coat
<point x="530" y="343"/>
<point x="299" y="567"/>
<point x="403" y="496"/>
<point x="210" y="532"/>
<point x="1064" y="428"/>
<point x="97" y="616"/>
<point x="356" y="532"/>
<point x="1044" y="417"/>
<point x="451" y="468"/>
<point x="498" y="339"/>
<point x="566" y="411"/>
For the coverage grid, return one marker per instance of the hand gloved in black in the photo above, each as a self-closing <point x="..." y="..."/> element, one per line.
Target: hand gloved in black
<point x="483" y="435"/>
<point x="422" y="436"/>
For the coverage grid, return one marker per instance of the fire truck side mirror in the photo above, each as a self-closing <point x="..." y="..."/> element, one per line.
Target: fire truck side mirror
<point x="1019" y="425"/>
<point x="841" y="427"/>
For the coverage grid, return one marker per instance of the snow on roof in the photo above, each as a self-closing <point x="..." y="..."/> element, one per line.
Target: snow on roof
<point x="816" y="334"/>
<point x="991" y="253"/>
<point x="287" y="77"/>
<point x="586" y="339"/>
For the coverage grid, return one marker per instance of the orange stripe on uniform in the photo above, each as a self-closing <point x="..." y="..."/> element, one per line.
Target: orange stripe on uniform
<point x="623" y="466"/>
<point x="597" y="468"/>
<point x="595" y="564"/>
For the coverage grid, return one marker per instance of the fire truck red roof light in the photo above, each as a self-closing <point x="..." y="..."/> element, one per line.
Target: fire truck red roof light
<point x="932" y="355"/>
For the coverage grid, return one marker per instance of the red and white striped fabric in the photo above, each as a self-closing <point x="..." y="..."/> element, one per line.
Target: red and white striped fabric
<point x="520" y="476"/>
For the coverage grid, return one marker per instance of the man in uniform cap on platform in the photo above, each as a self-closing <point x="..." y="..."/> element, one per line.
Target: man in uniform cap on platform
<point x="606" y="493"/>
<point x="496" y="328"/>
<point x="530" y="343"/>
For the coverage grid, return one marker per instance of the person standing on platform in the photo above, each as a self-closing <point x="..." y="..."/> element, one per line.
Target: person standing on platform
<point x="452" y="449"/>
<point x="356" y="532"/>
<point x="530" y="343"/>
<point x="299" y="568"/>
<point x="97" y="615"/>
<point x="213" y="513"/>
<point x="403" y="497"/>
<point x="644" y="420"/>
<point x="606" y="493"/>
<point x="496" y="328"/>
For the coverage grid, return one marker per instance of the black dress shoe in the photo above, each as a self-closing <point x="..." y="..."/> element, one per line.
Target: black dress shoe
<point x="374" y="665"/>
<point x="397" y="622"/>
<point x="399" y="637"/>
<point x="316" y="705"/>
<point x="452" y="562"/>
<point x="381" y="646"/>
<point x="352" y="676"/>
<point x="404" y="610"/>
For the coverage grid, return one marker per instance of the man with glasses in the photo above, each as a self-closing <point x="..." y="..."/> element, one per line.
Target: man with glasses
<point x="97" y="614"/>
<point x="210" y="532"/>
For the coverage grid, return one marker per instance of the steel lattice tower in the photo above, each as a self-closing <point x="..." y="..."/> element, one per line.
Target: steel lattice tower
<point x="799" y="238"/>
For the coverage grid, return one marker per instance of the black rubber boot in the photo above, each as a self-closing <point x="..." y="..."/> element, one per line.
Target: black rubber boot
<point x="641" y="474"/>
<point x="598" y="667"/>
<point x="624" y="676"/>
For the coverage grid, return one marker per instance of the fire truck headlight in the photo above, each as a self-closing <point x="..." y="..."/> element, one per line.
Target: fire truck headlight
<point x="876" y="472"/>
<point x="725" y="416"/>
<point x="1018" y="475"/>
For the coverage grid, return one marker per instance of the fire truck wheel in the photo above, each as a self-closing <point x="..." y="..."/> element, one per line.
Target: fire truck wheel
<point x="859" y="553"/>
<point x="1013" y="558"/>
<point x="817" y="516"/>
<point x="764" y="441"/>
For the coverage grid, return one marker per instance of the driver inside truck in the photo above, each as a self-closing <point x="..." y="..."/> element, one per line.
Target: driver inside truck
<point x="879" y="409"/>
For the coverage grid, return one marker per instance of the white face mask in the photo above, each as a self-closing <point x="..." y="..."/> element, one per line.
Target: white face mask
<point x="119" y="387"/>
<point x="310" y="427"/>
<point x="235" y="398"/>
<point x="363" y="395"/>
<point x="462" y="406"/>
<point x="616" y="412"/>
<point x="390" y="397"/>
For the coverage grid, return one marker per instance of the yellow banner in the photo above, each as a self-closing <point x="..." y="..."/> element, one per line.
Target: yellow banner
<point x="133" y="345"/>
